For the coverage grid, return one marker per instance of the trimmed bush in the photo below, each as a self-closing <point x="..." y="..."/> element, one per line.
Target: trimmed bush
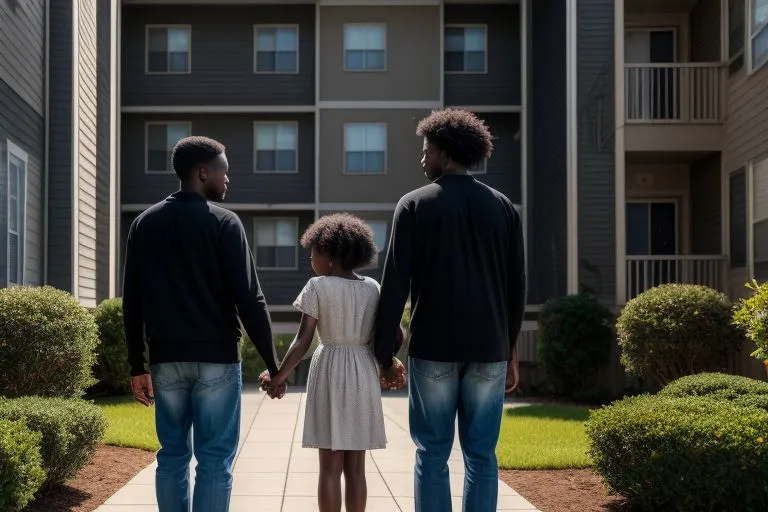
<point x="675" y="330"/>
<point x="47" y="343"/>
<point x="111" y="368"/>
<point x="715" y="385"/>
<point x="689" y="453"/>
<point x="575" y="337"/>
<point x="71" y="428"/>
<point x="751" y="316"/>
<point x="21" y="472"/>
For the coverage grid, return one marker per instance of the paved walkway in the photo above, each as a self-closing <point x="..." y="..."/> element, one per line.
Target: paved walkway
<point x="273" y="473"/>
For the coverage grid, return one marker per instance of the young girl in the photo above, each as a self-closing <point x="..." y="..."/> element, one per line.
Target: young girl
<point x="344" y="417"/>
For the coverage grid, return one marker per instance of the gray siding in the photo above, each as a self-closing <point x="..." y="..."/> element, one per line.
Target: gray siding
<point x="503" y="169"/>
<point x="597" y="232"/>
<point x="705" y="31"/>
<point x="501" y="85"/>
<point x="547" y="167"/>
<point x="103" y="153"/>
<point x="237" y="133"/>
<point x="22" y="50"/>
<point x="705" y="206"/>
<point x="20" y="123"/>
<point x="222" y="57"/>
<point x="60" y="148"/>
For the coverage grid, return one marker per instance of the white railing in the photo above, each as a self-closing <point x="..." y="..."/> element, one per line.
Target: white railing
<point x="677" y="92"/>
<point x="645" y="272"/>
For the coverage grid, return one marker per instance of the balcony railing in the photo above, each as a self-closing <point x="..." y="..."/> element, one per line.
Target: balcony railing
<point x="680" y="92"/>
<point x="645" y="272"/>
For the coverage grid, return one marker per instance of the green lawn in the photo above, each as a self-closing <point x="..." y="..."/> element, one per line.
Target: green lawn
<point x="543" y="437"/>
<point x="130" y="424"/>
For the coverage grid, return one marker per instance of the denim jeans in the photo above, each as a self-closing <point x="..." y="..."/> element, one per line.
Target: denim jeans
<point x="196" y="404"/>
<point x="437" y="393"/>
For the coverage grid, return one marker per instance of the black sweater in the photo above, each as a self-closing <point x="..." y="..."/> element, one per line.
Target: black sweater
<point x="457" y="248"/>
<point x="189" y="280"/>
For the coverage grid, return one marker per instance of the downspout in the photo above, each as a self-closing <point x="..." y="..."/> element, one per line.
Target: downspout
<point x="46" y="136"/>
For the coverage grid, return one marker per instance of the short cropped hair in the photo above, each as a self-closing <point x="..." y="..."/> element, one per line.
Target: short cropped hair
<point x="193" y="151"/>
<point x="461" y="134"/>
<point x="347" y="239"/>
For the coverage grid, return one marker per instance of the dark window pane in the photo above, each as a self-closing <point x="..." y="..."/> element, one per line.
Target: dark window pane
<point x="158" y="137"/>
<point x="736" y="17"/>
<point x="738" y="219"/>
<point x="286" y="160"/>
<point x="158" y="40"/>
<point x="760" y="48"/>
<point x="475" y="61"/>
<point x="374" y="59"/>
<point x="454" y="39"/>
<point x="637" y="229"/>
<point x="265" y="160"/>
<point x="285" y="257"/>
<point x="761" y="242"/>
<point x="663" y="236"/>
<point x="454" y="61"/>
<point x="355" y="59"/>
<point x="157" y="62"/>
<point x="178" y="62"/>
<point x="158" y="160"/>
<point x="355" y="161"/>
<point x="265" y="61"/>
<point x="662" y="45"/>
<point x="286" y="62"/>
<point x="265" y="257"/>
<point x="374" y="161"/>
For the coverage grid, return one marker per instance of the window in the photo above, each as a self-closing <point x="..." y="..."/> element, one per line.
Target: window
<point x="276" y="145"/>
<point x="365" y="47"/>
<point x="365" y="148"/>
<point x="758" y="33"/>
<point x="736" y="17"/>
<point x="379" y="228"/>
<point x="17" y="213"/>
<point x="480" y="168"/>
<point x="276" y="243"/>
<point x="759" y="221"/>
<point x="161" y="138"/>
<point x="168" y="49"/>
<point x="276" y="49"/>
<point x="738" y="218"/>
<point x="465" y="49"/>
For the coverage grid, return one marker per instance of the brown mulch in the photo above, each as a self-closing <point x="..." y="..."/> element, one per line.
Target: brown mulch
<point x="110" y="469"/>
<point x="566" y="490"/>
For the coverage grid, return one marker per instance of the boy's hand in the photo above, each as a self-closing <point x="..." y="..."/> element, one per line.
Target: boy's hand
<point x="276" y="389"/>
<point x="141" y="385"/>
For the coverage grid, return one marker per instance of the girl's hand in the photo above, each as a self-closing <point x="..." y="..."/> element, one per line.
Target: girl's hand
<point x="393" y="378"/>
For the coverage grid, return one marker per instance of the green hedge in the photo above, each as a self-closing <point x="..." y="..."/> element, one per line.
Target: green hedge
<point x="111" y="368"/>
<point x="71" y="428"/>
<point x="715" y="385"/>
<point x="682" y="453"/>
<point x="21" y="472"/>
<point x="47" y="343"/>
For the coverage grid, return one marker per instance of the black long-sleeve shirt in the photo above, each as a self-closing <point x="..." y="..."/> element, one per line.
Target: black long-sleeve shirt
<point x="189" y="281"/>
<point x="457" y="248"/>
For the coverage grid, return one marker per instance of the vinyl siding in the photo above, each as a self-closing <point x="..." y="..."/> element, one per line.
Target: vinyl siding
<point x="746" y="136"/>
<point x="22" y="59"/>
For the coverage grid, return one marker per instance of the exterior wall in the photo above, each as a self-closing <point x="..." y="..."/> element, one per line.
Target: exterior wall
<point x="103" y="212"/>
<point x="221" y="57"/>
<point x="237" y="133"/>
<point x="503" y="171"/>
<point x="705" y="206"/>
<point x="501" y="84"/>
<point x="22" y="59"/>
<point x="746" y="136"/>
<point x="705" y="31"/>
<point x="412" y="50"/>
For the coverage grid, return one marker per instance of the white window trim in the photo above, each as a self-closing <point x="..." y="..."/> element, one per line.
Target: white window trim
<point x="483" y="169"/>
<point x="147" y="28"/>
<point x="485" y="47"/>
<point x="295" y="221"/>
<point x="14" y="150"/>
<point x="750" y="37"/>
<point x="256" y="52"/>
<point x="386" y="147"/>
<point x="751" y="219"/>
<point x="382" y="250"/>
<point x="344" y="48"/>
<point x="256" y="124"/>
<point x="147" y="125"/>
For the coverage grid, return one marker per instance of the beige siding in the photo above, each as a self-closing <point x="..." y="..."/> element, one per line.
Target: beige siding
<point x="86" y="147"/>
<point x="403" y="157"/>
<point x="22" y="41"/>
<point x="412" y="55"/>
<point x="746" y="127"/>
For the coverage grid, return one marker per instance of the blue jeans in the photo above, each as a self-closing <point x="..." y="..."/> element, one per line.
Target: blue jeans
<point x="437" y="393"/>
<point x="203" y="398"/>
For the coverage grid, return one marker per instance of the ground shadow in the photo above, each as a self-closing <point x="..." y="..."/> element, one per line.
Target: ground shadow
<point x="59" y="497"/>
<point x="554" y="412"/>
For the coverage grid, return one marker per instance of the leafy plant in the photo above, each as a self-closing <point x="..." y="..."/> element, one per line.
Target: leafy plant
<point x="21" y="472"/>
<point x="111" y="368"/>
<point x="751" y="315"/>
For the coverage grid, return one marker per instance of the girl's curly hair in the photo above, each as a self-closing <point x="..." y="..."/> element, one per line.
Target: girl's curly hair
<point x="460" y="133"/>
<point x="347" y="239"/>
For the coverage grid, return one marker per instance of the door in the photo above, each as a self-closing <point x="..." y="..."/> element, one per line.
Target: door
<point x="650" y="90"/>
<point x="651" y="231"/>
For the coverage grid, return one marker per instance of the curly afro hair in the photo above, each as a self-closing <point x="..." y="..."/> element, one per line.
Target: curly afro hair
<point x="190" y="152"/>
<point x="347" y="239"/>
<point x="460" y="133"/>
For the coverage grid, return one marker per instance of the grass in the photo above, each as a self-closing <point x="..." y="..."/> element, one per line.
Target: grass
<point x="543" y="437"/>
<point x="131" y="425"/>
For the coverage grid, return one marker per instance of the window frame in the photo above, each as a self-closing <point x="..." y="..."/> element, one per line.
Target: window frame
<point x="256" y="28"/>
<point x="147" y="29"/>
<point x="465" y="26"/>
<point x="256" y="124"/>
<point x="147" y="125"/>
<point x="376" y="262"/>
<point x="749" y="40"/>
<point x="751" y="220"/>
<point x="344" y="152"/>
<point x="295" y="221"/>
<point x="12" y="150"/>
<point x="344" y="47"/>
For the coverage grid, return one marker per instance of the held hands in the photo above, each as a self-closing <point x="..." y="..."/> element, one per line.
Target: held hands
<point x="393" y="378"/>
<point x="275" y="387"/>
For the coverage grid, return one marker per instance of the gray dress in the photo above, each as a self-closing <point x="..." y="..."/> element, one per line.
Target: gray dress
<point x="343" y="410"/>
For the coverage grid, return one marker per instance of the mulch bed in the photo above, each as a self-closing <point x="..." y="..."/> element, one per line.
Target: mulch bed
<point x="567" y="490"/>
<point x="110" y="469"/>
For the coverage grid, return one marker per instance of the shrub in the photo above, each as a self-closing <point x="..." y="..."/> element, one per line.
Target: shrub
<point x="21" y="473"/>
<point x="575" y="337"/>
<point x="111" y="367"/>
<point x="675" y="330"/>
<point x="689" y="453"/>
<point x="715" y="385"/>
<point x="751" y="316"/>
<point x="47" y="343"/>
<point x="71" y="428"/>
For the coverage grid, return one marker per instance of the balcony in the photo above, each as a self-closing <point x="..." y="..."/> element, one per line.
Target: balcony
<point x="646" y="272"/>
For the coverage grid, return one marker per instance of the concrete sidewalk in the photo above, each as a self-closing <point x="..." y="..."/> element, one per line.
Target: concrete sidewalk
<point x="273" y="473"/>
